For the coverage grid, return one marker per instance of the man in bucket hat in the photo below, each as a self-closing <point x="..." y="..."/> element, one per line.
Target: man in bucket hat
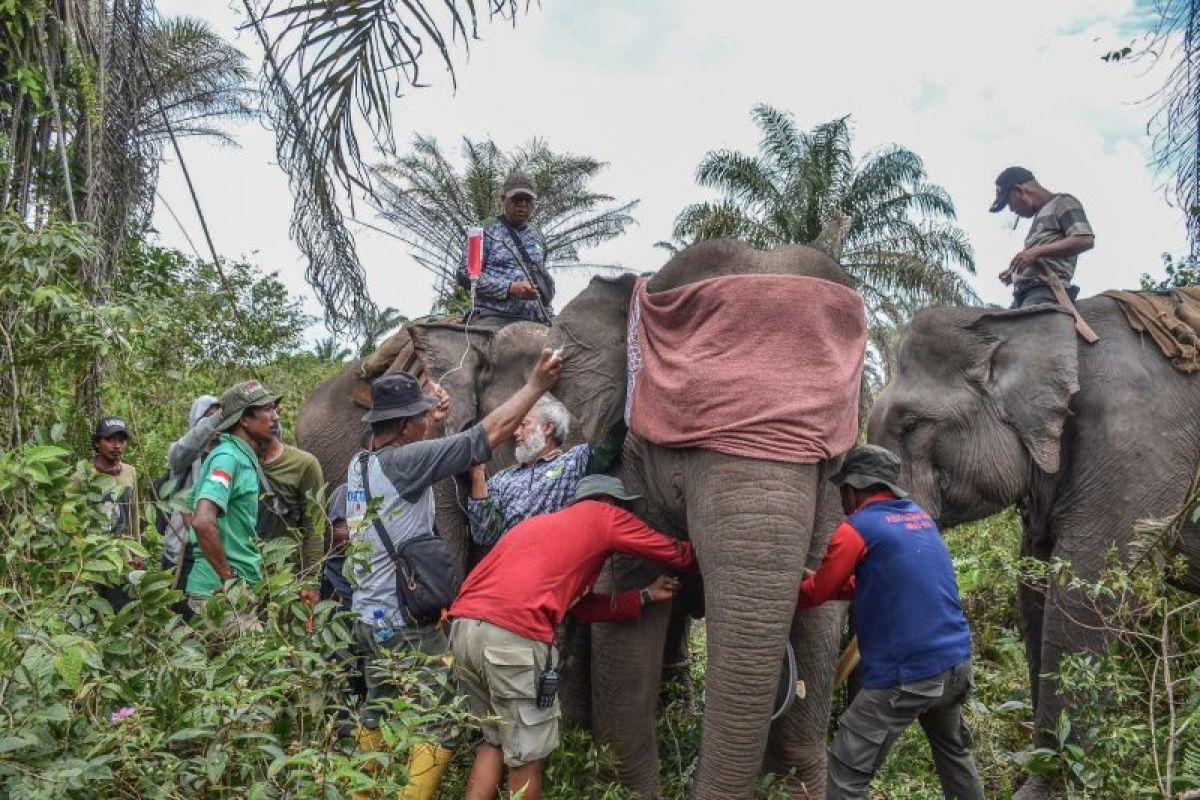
<point x="225" y="502"/>
<point x="888" y="556"/>
<point x="505" y="618"/>
<point x="398" y="471"/>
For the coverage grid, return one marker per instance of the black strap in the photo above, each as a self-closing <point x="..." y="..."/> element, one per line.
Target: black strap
<point x="380" y="530"/>
<point x="530" y="268"/>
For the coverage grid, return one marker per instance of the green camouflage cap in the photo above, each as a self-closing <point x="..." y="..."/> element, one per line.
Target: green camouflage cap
<point x="868" y="465"/>
<point x="237" y="399"/>
<point x="602" y="486"/>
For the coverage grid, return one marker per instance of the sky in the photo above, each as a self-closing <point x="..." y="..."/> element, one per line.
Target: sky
<point x="650" y="86"/>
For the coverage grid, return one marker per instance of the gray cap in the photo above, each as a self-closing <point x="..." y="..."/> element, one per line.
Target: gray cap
<point x="602" y="486"/>
<point x="868" y="465"/>
<point x="518" y="183"/>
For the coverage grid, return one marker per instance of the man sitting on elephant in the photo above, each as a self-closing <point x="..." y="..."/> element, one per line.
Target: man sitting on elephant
<point x="507" y="613"/>
<point x="543" y="481"/>
<point x="1057" y="235"/>
<point x="916" y="647"/>
<point x="400" y="468"/>
<point x="515" y="284"/>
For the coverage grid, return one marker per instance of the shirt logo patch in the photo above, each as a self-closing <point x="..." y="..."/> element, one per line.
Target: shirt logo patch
<point x="221" y="477"/>
<point x="554" y="472"/>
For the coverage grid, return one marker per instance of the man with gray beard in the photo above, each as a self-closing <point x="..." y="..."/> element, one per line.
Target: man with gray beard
<point x="543" y="481"/>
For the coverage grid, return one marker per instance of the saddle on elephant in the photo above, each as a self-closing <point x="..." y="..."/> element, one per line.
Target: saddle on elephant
<point x="407" y="350"/>
<point x="1170" y="318"/>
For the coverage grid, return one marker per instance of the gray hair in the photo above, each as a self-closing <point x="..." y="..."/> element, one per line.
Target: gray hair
<point x="550" y="409"/>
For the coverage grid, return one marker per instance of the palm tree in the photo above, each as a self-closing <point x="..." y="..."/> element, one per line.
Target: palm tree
<point x="377" y="325"/>
<point x="432" y="204"/>
<point x="331" y="72"/>
<point x="329" y="349"/>
<point x="890" y="228"/>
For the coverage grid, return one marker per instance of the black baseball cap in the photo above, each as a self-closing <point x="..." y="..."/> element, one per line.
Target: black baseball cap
<point x="1005" y="182"/>
<point x="110" y="426"/>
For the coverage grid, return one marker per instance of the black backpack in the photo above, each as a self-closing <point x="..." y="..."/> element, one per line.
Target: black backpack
<point x="426" y="583"/>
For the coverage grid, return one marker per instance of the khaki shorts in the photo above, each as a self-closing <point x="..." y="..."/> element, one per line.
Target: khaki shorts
<point x="497" y="671"/>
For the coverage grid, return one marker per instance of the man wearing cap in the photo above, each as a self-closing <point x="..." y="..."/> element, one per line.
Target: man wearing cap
<point x="185" y="456"/>
<point x="515" y="284"/>
<point x="225" y="502"/>
<point x="1057" y="235"/>
<point x="118" y="493"/>
<point x="398" y="472"/>
<point x="888" y="556"/>
<point x="510" y="605"/>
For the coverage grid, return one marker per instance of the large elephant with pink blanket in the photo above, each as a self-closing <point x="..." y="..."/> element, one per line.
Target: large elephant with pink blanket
<point x="738" y="372"/>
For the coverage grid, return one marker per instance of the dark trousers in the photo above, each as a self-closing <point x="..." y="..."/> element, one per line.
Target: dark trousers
<point x="877" y="717"/>
<point x="1039" y="293"/>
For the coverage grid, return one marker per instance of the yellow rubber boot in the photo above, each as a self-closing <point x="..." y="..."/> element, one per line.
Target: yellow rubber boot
<point x="426" y="764"/>
<point x="367" y="740"/>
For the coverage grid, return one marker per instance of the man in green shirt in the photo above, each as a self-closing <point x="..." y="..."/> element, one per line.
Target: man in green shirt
<point x="225" y="502"/>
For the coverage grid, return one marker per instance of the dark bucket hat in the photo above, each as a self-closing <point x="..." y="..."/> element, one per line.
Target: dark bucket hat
<point x="868" y="465"/>
<point x="110" y="426"/>
<point x="398" y="395"/>
<point x="603" y="486"/>
<point x="237" y="399"/>
<point x="1007" y="181"/>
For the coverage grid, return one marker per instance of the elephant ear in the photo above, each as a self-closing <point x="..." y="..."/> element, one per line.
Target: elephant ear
<point x="591" y="331"/>
<point x="1030" y="371"/>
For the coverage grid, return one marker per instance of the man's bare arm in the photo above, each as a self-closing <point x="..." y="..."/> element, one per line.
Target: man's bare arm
<point x="208" y="536"/>
<point x="502" y="423"/>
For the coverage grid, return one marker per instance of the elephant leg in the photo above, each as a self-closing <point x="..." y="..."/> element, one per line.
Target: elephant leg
<point x="797" y="743"/>
<point x="1031" y="605"/>
<point x="575" y="694"/>
<point x="751" y="522"/>
<point x="626" y="667"/>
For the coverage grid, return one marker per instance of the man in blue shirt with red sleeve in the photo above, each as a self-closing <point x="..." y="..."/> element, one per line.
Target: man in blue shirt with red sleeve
<point x="889" y="557"/>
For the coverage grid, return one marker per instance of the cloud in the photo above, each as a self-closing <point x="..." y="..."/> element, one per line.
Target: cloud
<point x="650" y="87"/>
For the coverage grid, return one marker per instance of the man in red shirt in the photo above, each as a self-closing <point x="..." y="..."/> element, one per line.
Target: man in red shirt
<point x="507" y="612"/>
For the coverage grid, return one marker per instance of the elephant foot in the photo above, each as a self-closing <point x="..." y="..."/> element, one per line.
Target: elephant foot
<point x="1036" y="788"/>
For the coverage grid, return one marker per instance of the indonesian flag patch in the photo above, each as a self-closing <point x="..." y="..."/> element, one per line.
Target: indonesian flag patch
<point x="222" y="477"/>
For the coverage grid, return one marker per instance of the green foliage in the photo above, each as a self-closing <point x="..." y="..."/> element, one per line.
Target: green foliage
<point x="1178" y="271"/>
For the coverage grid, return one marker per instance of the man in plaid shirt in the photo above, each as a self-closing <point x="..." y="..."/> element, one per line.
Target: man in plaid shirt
<point x="543" y="481"/>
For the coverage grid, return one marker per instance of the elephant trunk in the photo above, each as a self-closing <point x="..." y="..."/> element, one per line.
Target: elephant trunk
<point x="752" y="523"/>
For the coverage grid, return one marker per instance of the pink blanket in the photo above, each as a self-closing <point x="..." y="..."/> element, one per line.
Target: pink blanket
<point x="762" y="366"/>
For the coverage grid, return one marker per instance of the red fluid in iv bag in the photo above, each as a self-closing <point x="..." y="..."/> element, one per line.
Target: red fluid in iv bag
<point x="474" y="252"/>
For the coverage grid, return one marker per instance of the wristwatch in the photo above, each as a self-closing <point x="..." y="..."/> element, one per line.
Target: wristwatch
<point x="646" y="598"/>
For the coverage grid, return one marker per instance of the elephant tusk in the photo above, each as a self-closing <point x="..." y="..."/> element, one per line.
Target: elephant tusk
<point x="848" y="661"/>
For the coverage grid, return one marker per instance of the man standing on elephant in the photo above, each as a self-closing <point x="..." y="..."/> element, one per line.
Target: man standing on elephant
<point x="507" y="613"/>
<point x="1057" y="235"/>
<point x="400" y="468"/>
<point x="515" y="284"/>
<point x="916" y="647"/>
<point x="543" y="481"/>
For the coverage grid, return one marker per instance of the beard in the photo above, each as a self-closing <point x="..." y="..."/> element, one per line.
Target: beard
<point x="532" y="447"/>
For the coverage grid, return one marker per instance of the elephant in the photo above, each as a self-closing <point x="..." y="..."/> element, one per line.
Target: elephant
<point x="755" y="524"/>
<point x="478" y="378"/>
<point x="988" y="409"/>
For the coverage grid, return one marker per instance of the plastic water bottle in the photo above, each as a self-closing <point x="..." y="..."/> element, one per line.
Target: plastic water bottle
<point x="383" y="629"/>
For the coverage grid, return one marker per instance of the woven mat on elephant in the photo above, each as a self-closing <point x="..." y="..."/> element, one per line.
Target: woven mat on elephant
<point x="404" y="351"/>
<point x="762" y="366"/>
<point x="1171" y="319"/>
